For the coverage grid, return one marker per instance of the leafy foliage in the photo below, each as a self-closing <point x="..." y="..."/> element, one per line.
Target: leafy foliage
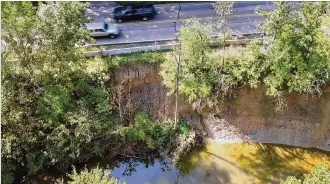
<point x="156" y="136"/>
<point x="7" y="172"/>
<point x="60" y="121"/>
<point x="55" y="104"/>
<point x="205" y="79"/>
<point x="321" y="175"/>
<point x="184" y="128"/>
<point x="249" y="68"/>
<point x="223" y="10"/>
<point x="195" y="76"/>
<point x="298" y="52"/>
<point x="54" y="111"/>
<point x="95" y="175"/>
<point x="162" y="137"/>
<point x="143" y="58"/>
<point x="43" y="41"/>
<point x="295" y="58"/>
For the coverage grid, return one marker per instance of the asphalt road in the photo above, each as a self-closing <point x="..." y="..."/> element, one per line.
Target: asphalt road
<point x="168" y="20"/>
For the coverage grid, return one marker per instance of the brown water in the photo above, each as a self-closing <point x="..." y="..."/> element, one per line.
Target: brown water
<point x="251" y="163"/>
<point x="238" y="163"/>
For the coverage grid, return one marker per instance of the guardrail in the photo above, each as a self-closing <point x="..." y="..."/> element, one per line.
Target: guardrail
<point x="155" y="48"/>
<point x="127" y="42"/>
<point x="158" y="40"/>
<point x="158" y="48"/>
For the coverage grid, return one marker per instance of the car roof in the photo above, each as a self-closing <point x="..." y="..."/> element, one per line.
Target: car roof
<point x="95" y="25"/>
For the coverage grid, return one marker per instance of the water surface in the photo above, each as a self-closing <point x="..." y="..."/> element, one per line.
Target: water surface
<point x="225" y="163"/>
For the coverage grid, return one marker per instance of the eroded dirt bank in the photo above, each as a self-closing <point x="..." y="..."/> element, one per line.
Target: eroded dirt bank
<point x="251" y="116"/>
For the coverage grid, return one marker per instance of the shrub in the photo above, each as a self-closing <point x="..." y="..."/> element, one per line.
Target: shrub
<point x="155" y="135"/>
<point x="7" y="173"/>
<point x="95" y="175"/>
<point x="321" y="175"/>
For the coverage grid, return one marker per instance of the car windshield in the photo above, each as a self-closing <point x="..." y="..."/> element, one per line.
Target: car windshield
<point x="119" y="10"/>
<point x="129" y="7"/>
<point x="105" y="26"/>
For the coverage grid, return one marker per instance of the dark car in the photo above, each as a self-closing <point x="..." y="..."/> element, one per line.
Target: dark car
<point x="124" y="13"/>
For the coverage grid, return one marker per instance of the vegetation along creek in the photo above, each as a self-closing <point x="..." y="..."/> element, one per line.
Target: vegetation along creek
<point x="215" y="163"/>
<point x="240" y="109"/>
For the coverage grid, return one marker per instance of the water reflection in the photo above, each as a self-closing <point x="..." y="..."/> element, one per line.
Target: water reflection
<point x="214" y="163"/>
<point x="133" y="171"/>
<point x="223" y="163"/>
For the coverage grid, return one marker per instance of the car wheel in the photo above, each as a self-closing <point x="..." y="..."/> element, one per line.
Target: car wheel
<point x="112" y="36"/>
<point x="119" y="20"/>
<point x="145" y="18"/>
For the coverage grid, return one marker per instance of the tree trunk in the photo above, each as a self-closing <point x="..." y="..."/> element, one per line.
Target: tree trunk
<point x="177" y="87"/>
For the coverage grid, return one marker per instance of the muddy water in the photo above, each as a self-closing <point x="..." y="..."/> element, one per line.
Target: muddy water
<point x="240" y="163"/>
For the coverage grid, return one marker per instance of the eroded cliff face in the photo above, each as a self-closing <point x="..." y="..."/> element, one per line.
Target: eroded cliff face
<point x="250" y="116"/>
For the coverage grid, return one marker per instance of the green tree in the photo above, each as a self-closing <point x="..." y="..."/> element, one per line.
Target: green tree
<point x="55" y="106"/>
<point x="53" y="111"/>
<point x="297" y="54"/>
<point x="223" y="9"/>
<point x="43" y="40"/>
<point x="199" y="74"/>
<point x="195" y="62"/>
<point x="321" y="175"/>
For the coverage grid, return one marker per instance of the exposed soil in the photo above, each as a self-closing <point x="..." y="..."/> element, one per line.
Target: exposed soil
<point x="251" y="116"/>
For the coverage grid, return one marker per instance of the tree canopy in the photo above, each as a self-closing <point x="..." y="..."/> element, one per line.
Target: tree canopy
<point x="57" y="110"/>
<point x="195" y="62"/>
<point x="297" y="53"/>
<point x="321" y="175"/>
<point x="294" y="56"/>
<point x="52" y="109"/>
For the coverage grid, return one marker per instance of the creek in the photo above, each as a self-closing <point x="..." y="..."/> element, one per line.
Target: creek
<point x="225" y="163"/>
<point x="219" y="163"/>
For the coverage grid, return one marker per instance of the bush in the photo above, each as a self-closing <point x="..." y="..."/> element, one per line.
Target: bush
<point x="95" y="175"/>
<point x="162" y="137"/>
<point x="321" y="175"/>
<point x="7" y="173"/>
<point x="156" y="136"/>
<point x="62" y="120"/>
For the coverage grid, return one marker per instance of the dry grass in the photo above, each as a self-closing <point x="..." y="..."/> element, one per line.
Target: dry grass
<point x="229" y="51"/>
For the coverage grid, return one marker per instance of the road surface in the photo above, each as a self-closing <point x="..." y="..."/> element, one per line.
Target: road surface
<point x="170" y="18"/>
